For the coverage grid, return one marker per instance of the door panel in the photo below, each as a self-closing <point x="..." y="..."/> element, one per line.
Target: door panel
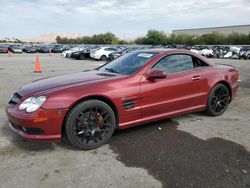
<point x="176" y="92"/>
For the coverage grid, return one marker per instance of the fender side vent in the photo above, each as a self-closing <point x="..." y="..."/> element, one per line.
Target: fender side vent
<point x="128" y="104"/>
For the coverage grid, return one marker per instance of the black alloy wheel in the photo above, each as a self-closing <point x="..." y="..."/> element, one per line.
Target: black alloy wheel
<point x="218" y="100"/>
<point x="90" y="124"/>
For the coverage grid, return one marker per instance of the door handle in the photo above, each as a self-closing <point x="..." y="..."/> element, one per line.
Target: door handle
<point x="196" y="78"/>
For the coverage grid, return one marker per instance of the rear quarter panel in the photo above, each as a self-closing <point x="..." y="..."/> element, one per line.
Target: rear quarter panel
<point x="217" y="74"/>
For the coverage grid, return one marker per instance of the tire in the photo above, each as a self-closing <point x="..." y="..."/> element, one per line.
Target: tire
<point x="218" y="100"/>
<point x="67" y="55"/>
<point x="90" y="124"/>
<point x="82" y="57"/>
<point x="103" y="58"/>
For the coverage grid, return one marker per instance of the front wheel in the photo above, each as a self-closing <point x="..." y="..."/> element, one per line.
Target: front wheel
<point x="90" y="124"/>
<point x="218" y="100"/>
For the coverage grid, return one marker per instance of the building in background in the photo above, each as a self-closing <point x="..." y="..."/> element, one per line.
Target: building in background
<point x="243" y="29"/>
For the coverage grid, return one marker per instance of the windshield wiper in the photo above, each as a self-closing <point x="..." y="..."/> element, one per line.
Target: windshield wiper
<point x="111" y="70"/>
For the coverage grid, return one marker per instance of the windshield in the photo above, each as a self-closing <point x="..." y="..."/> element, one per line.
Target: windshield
<point x="95" y="49"/>
<point x="129" y="63"/>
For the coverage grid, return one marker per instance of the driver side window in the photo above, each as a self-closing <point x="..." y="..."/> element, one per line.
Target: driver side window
<point x="175" y="63"/>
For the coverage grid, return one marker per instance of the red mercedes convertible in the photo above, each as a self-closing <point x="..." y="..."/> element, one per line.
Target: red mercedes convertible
<point x="135" y="89"/>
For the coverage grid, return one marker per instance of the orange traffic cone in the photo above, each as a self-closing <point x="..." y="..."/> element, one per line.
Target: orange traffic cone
<point x="9" y="53"/>
<point x="50" y="53"/>
<point x="38" y="67"/>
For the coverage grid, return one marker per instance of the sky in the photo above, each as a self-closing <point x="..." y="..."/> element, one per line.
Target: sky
<point x="127" y="19"/>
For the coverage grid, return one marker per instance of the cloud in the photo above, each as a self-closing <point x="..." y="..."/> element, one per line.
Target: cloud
<point x="127" y="19"/>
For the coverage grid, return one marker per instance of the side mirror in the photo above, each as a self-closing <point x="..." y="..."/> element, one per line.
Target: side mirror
<point x="156" y="74"/>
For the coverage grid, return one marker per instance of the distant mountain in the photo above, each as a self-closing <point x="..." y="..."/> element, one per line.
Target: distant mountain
<point x="49" y="38"/>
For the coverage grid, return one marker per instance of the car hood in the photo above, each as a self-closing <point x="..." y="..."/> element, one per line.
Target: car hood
<point x="51" y="84"/>
<point x="67" y="51"/>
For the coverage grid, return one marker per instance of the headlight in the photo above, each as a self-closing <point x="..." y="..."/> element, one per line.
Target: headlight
<point x="32" y="104"/>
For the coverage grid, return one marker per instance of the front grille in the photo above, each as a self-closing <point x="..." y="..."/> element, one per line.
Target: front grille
<point x="15" y="99"/>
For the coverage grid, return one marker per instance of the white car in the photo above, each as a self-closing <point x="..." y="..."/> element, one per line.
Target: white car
<point x="195" y="51"/>
<point x="207" y="52"/>
<point x="68" y="53"/>
<point x="16" y="49"/>
<point x="102" y="53"/>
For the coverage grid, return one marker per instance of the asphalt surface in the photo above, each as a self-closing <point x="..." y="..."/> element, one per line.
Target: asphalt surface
<point x="178" y="159"/>
<point x="193" y="150"/>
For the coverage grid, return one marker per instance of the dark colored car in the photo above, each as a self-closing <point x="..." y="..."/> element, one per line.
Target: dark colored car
<point x="114" y="55"/>
<point x="43" y="49"/>
<point x="134" y="89"/>
<point x="30" y="49"/>
<point x="67" y="47"/>
<point x="3" y="49"/>
<point x="244" y="53"/>
<point x="83" y="54"/>
<point x="57" y="49"/>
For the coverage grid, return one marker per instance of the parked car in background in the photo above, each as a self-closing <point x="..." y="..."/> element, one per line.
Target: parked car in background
<point x="83" y="54"/>
<point x="57" y="49"/>
<point x="30" y="49"/>
<point x="43" y="49"/>
<point x="102" y="53"/>
<point x="67" y="47"/>
<point x="204" y="51"/>
<point x="114" y="55"/>
<point x="135" y="89"/>
<point x="80" y="54"/>
<point x="207" y="52"/>
<point x="68" y="53"/>
<point x="15" y="49"/>
<point x="3" y="49"/>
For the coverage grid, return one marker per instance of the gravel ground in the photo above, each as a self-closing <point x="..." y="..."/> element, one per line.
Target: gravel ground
<point x="187" y="151"/>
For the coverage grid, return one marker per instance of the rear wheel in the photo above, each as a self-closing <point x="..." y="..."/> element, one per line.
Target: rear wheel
<point x="103" y="58"/>
<point x="90" y="124"/>
<point x="82" y="57"/>
<point x="218" y="100"/>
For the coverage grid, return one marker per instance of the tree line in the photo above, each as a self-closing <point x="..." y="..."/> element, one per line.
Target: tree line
<point x="106" y="38"/>
<point x="10" y="40"/>
<point x="154" y="37"/>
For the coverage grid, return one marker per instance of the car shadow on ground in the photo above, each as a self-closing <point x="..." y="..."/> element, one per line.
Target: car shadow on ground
<point x="179" y="159"/>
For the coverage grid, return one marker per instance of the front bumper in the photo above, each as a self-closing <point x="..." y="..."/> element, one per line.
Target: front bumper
<point x="43" y="125"/>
